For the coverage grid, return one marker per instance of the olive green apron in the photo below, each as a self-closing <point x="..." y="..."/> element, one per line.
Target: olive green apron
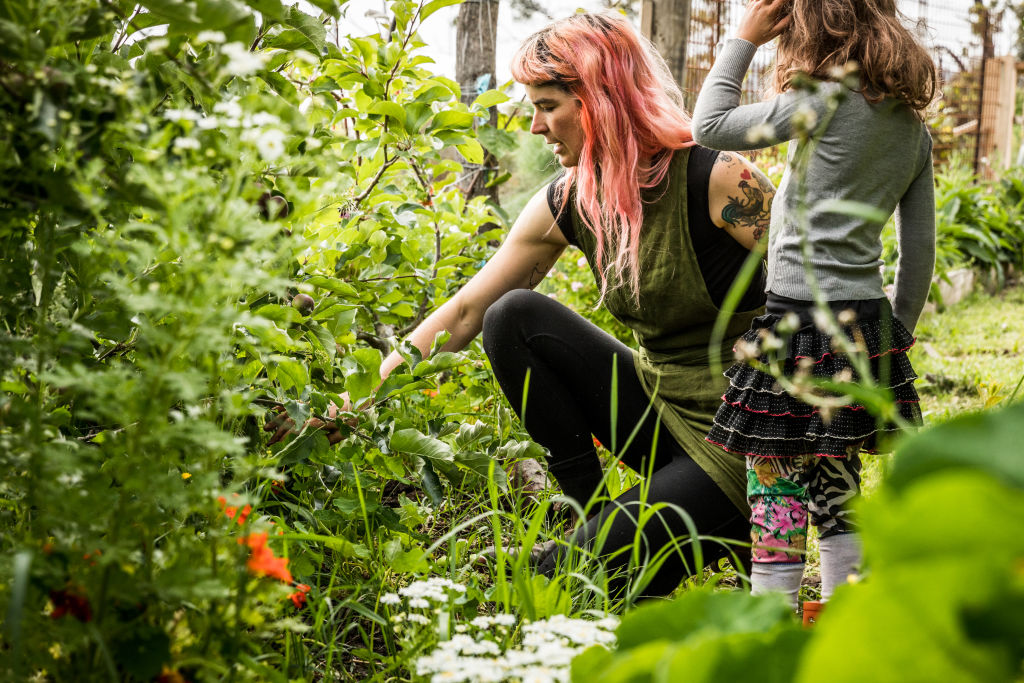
<point x="672" y="325"/>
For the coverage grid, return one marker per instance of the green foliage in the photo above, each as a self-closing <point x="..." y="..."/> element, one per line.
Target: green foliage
<point x="942" y="599"/>
<point x="978" y="223"/>
<point x="701" y="636"/>
<point x="199" y="226"/>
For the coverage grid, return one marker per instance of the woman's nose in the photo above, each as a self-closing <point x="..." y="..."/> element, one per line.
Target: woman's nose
<point x="537" y="125"/>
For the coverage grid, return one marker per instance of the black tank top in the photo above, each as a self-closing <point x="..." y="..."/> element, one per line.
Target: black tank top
<point x="719" y="256"/>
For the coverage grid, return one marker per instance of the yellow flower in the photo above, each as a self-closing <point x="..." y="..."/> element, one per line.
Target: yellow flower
<point x="186" y="476"/>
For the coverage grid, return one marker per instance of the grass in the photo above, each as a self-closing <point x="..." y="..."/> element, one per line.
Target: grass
<point x="971" y="355"/>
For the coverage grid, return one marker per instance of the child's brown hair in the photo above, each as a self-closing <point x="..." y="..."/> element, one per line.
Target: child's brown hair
<point x="825" y="35"/>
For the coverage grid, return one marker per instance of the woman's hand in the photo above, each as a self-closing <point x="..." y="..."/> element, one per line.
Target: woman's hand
<point x="763" y="20"/>
<point x="281" y="425"/>
<point x="529" y="252"/>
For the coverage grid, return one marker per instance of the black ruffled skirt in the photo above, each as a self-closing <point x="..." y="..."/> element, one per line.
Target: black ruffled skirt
<point x="759" y="418"/>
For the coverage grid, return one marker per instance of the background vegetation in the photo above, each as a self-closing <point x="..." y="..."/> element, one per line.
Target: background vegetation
<point x="247" y="212"/>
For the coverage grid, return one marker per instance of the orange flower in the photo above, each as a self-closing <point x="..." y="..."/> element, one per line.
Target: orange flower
<point x="262" y="560"/>
<point x="243" y="514"/>
<point x="232" y="511"/>
<point x="298" y="598"/>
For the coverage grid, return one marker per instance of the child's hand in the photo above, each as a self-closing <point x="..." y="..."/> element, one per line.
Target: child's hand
<point x="763" y="20"/>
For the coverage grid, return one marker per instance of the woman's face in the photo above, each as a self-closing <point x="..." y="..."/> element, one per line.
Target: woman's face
<point x="557" y="117"/>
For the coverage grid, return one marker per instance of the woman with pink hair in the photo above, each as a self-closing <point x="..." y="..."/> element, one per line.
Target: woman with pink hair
<point x="665" y="226"/>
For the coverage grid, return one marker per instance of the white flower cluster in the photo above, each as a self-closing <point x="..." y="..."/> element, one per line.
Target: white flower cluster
<point x="210" y="37"/>
<point x="547" y="648"/>
<point x="259" y="128"/>
<point x="421" y="593"/>
<point x="241" y="62"/>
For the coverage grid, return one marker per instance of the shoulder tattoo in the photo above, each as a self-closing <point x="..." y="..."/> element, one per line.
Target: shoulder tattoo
<point x="751" y="209"/>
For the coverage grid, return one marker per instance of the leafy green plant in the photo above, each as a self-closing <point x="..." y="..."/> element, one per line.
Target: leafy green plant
<point x="200" y="225"/>
<point x="941" y="598"/>
<point x="978" y="223"/>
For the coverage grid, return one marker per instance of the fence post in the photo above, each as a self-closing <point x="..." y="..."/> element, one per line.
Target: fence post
<point x="667" y="24"/>
<point x="998" y="106"/>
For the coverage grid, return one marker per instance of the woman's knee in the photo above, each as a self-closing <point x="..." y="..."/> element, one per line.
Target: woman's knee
<point x="506" y="317"/>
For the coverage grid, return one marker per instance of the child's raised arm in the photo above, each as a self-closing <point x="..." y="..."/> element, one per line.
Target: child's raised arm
<point x="720" y="122"/>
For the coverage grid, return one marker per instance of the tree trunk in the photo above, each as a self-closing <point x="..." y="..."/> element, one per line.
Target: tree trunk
<point x="475" y="33"/>
<point x="667" y="24"/>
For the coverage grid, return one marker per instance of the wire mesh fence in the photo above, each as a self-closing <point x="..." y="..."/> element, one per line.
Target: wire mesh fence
<point x="960" y="42"/>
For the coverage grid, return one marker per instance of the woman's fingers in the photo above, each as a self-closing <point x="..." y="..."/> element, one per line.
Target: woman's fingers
<point x="281" y="425"/>
<point x="331" y="430"/>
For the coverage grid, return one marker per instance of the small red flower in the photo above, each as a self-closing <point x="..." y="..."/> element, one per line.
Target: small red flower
<point x="232" y="510"/>
<point x="597" y="444"/>
<point x="69" y="601"/>
<point x="262" y="560"/>
<point x="298" y="598"/>
<point x="243" y="514"/>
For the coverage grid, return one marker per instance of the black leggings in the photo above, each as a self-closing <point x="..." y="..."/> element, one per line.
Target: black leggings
<point x="569" y="402"/>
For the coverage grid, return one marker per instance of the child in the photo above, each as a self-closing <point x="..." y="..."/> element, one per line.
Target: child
<point x="875" y="149"/>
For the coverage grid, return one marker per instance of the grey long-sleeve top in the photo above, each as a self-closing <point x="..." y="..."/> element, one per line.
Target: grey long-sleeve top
<point x="877" y="154"/>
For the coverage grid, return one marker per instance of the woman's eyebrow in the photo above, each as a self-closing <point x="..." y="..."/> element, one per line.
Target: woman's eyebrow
<point x="544" y="100"/>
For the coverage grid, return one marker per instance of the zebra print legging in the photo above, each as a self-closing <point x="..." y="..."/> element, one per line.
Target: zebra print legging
<point x="784" y="492"/>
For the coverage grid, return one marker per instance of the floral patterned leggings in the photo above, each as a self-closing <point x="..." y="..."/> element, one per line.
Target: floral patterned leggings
<point x="781" y="493"/>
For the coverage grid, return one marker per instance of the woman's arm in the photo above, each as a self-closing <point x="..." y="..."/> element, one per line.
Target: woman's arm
<point x="521" y="262"/>
<point x="531" y="249"/>
<point x="740" y="198"/>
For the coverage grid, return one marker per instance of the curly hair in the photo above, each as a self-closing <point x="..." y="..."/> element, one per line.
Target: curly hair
<point x="632" y="119"/>
<point x="826" y="35"/>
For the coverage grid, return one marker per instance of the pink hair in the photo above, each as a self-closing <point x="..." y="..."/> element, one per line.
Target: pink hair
<point x="632" y="119"/>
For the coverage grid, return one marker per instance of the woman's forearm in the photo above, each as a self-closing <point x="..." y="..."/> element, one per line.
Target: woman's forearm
<point x="452" y="317"/>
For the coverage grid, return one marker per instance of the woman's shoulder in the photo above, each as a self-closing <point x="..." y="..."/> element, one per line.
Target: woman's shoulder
<point x="700" y="162"/>
<point x="561" y="207"/>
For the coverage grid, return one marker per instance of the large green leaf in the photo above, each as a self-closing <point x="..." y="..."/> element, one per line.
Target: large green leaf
<point x="334" y="285"/>
<point x="332" y="7"/>
<point x="435" y="5"/>
<point x="453" y="119"/>
<point x="392" y="110"/>
<point x="701" y="613"/>
<point x="472" y="151"/>
<point x="311" y="27"/>
<point x="943" y="551"/>
<point x="414" y="442"/>
<point x="497" y="141"/>
<point x="490" y="98"/>
<point x="271" y="9"/>
<point x="992" y="441"/>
